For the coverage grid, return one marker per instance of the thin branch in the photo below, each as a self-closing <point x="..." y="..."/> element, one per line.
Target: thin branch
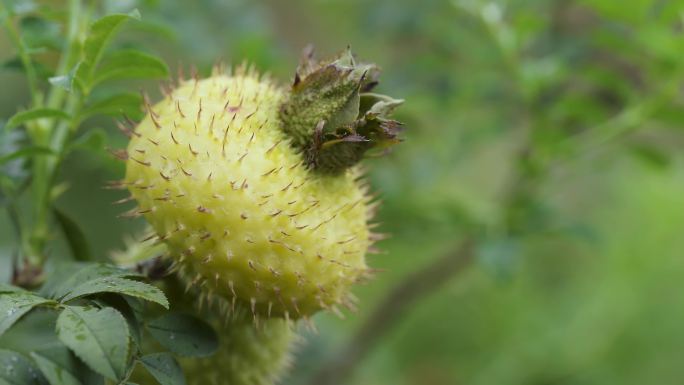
<point x="391" y="309"/>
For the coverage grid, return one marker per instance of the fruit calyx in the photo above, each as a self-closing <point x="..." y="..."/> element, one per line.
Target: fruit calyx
<point x="331" y="115"/>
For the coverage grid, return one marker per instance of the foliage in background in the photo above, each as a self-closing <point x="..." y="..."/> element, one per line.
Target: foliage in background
<point x="577" y="268"/>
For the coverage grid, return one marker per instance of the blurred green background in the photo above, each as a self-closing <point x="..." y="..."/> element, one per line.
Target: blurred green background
<point x="549" y="129"/>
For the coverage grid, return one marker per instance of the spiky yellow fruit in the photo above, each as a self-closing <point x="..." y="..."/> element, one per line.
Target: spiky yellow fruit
<point x="241" y="209"/>
<point x="219" y="182"/>
<point x="247" y="353"/>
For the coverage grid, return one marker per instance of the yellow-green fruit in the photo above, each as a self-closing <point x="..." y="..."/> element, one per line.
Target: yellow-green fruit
<point x="247" y="355"/>
<point x="241" y="212"/>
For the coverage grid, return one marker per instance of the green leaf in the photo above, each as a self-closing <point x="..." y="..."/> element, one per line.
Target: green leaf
<point x="66" y="81"/>
<point x="58" y="365"/>
<point x="123" y="305"/>
<point x="100" y="33"/>
<point x="184" y="334"/>
<point x="33" y="114"/>
<point x="82" y="76"/>
<point x="74" y="236"/>
<point x="68" y="276"/>
<point x="34" y="331"/>
<point x="164" y="368"/>
<point x="99" y="337"/>
<point x="118" y="285"/>
<point x="5" y="288"/>
<point x="130" y="64"/>
<point x="127" y="103"/>
<point x="13" y="174"/>
<point x="15" y="369"/>
<point x="156" y="29"/>
<point x="57" y="272"/>
<point x="25" y="152"/>
<point x="15" y="304"/>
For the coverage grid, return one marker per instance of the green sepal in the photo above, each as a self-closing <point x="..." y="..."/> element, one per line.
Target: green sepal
<point x="331" y="116"/>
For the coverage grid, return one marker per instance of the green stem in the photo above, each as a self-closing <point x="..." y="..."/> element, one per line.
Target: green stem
<point x="24" y="56"/>
<point x="45" y="168"/>
<point x="37" y="130"/>
<point x="71" y="54"/>
<point x="15" y="219"/>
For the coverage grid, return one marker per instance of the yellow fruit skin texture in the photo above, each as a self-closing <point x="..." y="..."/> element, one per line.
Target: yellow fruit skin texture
<point x="242" y="215"/>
